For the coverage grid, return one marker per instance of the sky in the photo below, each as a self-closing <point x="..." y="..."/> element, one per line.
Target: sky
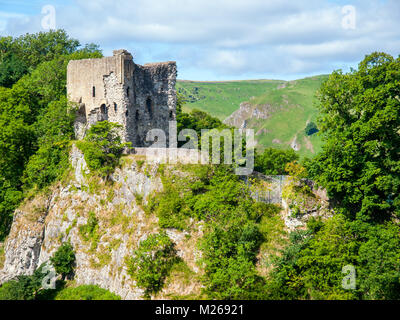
<point x="215" y="40"/>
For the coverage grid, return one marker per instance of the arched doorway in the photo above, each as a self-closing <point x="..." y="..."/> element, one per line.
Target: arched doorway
<point x="103" y="109"/>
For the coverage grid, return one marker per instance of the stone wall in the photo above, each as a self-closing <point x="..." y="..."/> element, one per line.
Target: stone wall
<point x="172" y="155"/>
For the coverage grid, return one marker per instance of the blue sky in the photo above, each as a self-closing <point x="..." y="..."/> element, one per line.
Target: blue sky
<point x="224" y="39"/>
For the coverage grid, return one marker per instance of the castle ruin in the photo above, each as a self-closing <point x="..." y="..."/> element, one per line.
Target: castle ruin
<point x="139" y="98"/>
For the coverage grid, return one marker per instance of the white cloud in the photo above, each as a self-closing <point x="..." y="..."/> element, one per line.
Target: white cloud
<point x="232" y="38"/>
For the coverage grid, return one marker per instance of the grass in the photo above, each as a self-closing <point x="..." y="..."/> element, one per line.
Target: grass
<point x="86" y="292"/>
<point x="272" y="228"/>
<point x="2" y="256"/>
<point x="221" y="99"/>
<point x="296" y="105"/>
<point x="292" y="107"/>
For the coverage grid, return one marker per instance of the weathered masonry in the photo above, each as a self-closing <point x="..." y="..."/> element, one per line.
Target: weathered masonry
<point x="140" y="98"/>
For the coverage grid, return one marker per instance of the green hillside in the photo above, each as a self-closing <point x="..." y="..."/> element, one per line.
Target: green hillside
<point x="221" y="99"/>
<point x="289" y="104"/>
<point x="296" y="106"/>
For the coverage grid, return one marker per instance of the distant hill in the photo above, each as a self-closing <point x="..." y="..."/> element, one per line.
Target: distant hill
<point x="277" y="110"/>
<point x="221" y="99"/>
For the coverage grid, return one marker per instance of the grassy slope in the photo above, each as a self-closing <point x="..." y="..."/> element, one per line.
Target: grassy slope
<point x="291" y="118"/>
<point x="221" y="99"/>
<point x="295" y="102"/>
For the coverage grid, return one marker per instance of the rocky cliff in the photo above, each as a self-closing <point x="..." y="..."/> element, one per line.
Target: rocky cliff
<point x="47" y="220"/>
<point x="247" y="112"/>
<point x="117" y="210"/>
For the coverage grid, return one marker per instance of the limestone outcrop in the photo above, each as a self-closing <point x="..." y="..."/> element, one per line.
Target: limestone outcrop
<point x="43" y="223"/>
<point x="246" y="112"/>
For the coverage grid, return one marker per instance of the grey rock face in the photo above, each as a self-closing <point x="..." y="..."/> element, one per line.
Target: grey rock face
<point x="246" y="112"/>
<point x="22" y="249"/>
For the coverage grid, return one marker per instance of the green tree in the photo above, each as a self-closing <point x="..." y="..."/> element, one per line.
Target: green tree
<point x="23" y="54"/>
<point x="23" y="287"/>
<point x="311" y="129"/>
<point x="44" y="46"/>
<point x="311" y="266"/>
<point x="273" y="161"/>
<point x="54" y="130"/>
<point x="12" y="68"/>
<point x="360" y="121"/>
<point x="229" y="252"/>
<point x="63" y="260"/>
<point x="23" y="109"/>
<point x="102" y="147"/>
<point x="378" y="269"/>
<point x="16" y="146"/>
<point x="152" y="262"/>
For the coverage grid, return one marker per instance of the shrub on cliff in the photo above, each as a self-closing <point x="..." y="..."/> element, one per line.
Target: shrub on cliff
<point x="63" y="260"/>
<point x="102" y="147"/>
<point x="23" y="287"/>
<point x="232" y="237"/>
<point x="152" y="262"/>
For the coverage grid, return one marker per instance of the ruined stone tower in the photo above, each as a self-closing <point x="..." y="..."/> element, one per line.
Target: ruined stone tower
<point x="140" y="98"/>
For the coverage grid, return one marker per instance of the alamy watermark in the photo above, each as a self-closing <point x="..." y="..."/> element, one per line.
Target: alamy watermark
<point x="349" y="280"/>
<point x="349" y="20"/>
<point x="50" y="278"/>
<point x="238" y="147"/>
<point x="49" y="19"/>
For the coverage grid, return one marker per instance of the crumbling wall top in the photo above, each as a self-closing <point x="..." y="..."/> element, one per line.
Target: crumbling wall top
<point x="122" y="52"/>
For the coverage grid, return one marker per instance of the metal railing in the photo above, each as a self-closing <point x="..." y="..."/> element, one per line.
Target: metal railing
<point x="274" y="194"/>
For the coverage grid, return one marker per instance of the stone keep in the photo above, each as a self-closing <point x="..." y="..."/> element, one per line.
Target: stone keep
<point x="140" y="98"/>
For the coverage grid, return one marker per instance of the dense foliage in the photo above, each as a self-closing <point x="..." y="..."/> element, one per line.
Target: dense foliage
<point x="85" y="292"/>
<point x="215" y="195"/>
<point x="23" y="287"/>
<point x="35" y="118"/>
<point x="359" y="168"/>
<point x="152" y="262"/>
<point x="32" y="287"/>
<point x="55" y="131"/>
<point x="102" y="147"/>
<point x="311" y="266"/>
<point x="12" y="68"/>
<point x="229" y="254"/>
<point x="23" y="54"/>
<point x="63" y="259"/>
<point x="360" y="123"/>
<point x="273" y="161"/>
